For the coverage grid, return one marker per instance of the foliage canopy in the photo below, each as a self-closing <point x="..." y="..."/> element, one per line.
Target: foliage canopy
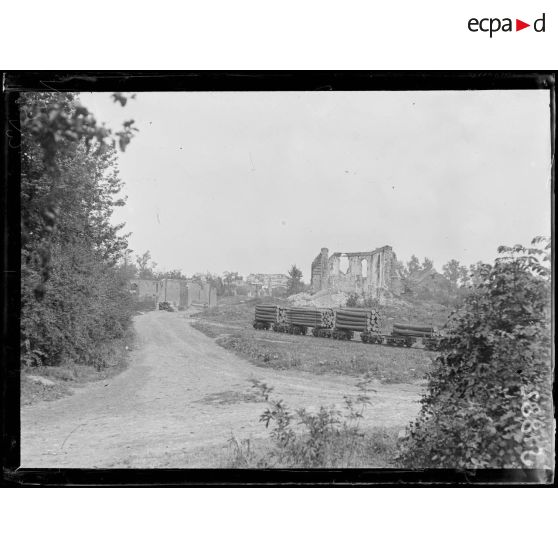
<point x="75" y="299"/>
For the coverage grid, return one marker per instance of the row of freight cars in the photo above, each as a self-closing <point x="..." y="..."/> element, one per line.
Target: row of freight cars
<point x="342" y="323"/>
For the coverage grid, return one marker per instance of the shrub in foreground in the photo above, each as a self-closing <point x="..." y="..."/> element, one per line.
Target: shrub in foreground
<point x="489" y="397"/>
<point x="301" y="438"/>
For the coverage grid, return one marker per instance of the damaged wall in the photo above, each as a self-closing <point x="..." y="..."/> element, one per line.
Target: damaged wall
<point x="369" y="273"/>
<point x="145" y="289"/>
<point x="174" y="291"/>
<point x="202" y="294"/>
<point x="182" y="293"/>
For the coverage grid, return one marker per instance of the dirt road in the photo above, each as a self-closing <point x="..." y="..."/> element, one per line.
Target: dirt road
<point x="178" y="403"/>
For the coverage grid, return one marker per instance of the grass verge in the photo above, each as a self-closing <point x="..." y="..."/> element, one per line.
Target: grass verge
<point x="231" y="326"/>
<point x="48" y="383"/>
<point x="375" y="449"/>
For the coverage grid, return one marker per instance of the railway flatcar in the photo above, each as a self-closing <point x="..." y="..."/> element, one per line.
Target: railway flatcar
<point x="351" y="320"/>
<point x="342" y="323"/>
<point x="407" y="335"/>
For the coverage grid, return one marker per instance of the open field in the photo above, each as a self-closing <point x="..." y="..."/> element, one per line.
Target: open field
<point x="231" y="326"/>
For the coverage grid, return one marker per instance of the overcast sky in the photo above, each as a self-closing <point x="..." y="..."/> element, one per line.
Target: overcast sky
<point x="254" y="182"/>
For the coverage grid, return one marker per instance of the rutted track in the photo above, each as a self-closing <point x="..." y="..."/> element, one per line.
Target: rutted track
<point x="178" y="403"/>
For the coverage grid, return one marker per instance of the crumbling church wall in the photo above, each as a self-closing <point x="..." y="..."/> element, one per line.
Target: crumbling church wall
<point x="377" y="276"/>
<point x="320" y="271"/>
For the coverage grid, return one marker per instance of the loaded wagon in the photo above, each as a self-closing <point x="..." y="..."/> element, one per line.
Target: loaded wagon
<point x="342" y="323"/>
<point x="299" y="320"/>
<point x="363" y="320"/>
<point x="266" y="316"/>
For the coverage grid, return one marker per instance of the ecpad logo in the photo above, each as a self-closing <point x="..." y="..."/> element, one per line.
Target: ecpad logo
<point x="493" y="25"/>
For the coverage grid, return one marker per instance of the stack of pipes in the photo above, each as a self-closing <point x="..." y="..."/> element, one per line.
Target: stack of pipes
<point x="310" y="317"/>
<point x="267" y="313"/>
<point x="358" y="319"/>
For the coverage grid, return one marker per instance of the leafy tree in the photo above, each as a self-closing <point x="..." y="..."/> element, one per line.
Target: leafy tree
<point x="474" y="275"/>
<point x="74" y="293"/>
<point x="494" y="366"/>
<point x="463" y="276"/>
<point x="199" y="278"/>
<point x="427" y="264"/>
<point x="213" y="279"/>
<point x="126" y="268"/>
<point x="174" y="274"/>
<point x="413" y="265"/>
<point x="146" y="266"/>
<point x="450" y="271"/>
<point x="52" y="126"/>
<point x="401" y="268"/>
<point x="294" y="284"/>
<point x="229" y="279"/>
<point x="454" y="272"/>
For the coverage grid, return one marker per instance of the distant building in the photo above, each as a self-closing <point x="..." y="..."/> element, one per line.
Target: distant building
<point x="181" y="293"/>
<point x="267" y="283"/>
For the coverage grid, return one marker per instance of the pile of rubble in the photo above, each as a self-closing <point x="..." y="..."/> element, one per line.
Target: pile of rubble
<point x="321" y="299"/>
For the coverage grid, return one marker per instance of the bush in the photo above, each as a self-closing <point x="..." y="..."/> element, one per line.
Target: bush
<point x="488" y="402"/>
<point x="301" y="438"/>
<point x="85" y="306"/>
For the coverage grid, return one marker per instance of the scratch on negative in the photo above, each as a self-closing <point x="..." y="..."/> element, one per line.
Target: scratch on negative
<point x="66" y="439"/>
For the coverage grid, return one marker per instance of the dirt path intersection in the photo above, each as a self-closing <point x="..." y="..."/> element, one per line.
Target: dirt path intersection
<point x="178" y="403"/>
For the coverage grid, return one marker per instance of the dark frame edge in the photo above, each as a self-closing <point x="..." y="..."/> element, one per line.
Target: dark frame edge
<point x="214" y="81"/>
<point x="10" y="280"/>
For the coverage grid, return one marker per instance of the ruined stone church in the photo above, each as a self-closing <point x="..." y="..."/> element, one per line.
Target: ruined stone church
<point x="371" y="274"/>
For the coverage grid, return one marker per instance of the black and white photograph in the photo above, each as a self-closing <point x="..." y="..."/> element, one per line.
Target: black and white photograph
<point x="284" y="279"/>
